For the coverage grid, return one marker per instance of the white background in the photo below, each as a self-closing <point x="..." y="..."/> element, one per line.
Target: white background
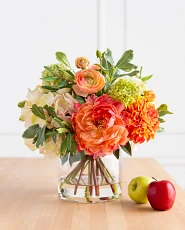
<point x="32" y="31"/>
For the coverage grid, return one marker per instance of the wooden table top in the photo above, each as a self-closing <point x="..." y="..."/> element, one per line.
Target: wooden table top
<point x="29" y="200"/>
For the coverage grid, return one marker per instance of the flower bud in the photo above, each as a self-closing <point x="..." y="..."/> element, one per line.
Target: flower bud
<point x="81" y="62"/>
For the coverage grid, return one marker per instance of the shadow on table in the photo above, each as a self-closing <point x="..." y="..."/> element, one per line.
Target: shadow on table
<point x="129" y="205"/>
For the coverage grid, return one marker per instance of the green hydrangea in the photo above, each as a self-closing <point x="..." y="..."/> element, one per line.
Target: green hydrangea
<point x="57" y="69"/>
<point x="125" y="91"/>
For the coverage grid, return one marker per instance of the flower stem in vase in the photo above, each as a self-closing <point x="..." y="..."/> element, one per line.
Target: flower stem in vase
<point x="74" y="172"/>
<point x="113" y="185"/>
<point x="102" y="171"/>
<point x="91" y="177"/>
<point x="106" y="170"/>
<point x="106" y="174"/>
<point x="97" y="169"/>
<point x="97" y="191"/>
<point x="87" y="190"/>
<point x="98" y="175"/>
<point x="82" y="169"/>
<point x="102" y="177"/>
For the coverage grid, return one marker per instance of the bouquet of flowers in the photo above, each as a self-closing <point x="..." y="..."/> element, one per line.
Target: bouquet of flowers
<point x="87" y="114"/>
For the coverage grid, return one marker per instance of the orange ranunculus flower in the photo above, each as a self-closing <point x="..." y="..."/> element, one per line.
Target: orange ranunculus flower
<point x="143" y="121"/>
<point x="89" y="81"/>
<point x="99" y="128"/>
<point x="81" y="62"/>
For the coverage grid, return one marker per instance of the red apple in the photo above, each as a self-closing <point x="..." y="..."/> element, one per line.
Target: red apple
<point x="161" y="194"/>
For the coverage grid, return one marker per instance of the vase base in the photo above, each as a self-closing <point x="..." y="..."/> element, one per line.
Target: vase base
<point x="106" y="194"/>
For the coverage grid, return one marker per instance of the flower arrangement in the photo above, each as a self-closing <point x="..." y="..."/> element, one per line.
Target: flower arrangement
<point x="87" y="114"/>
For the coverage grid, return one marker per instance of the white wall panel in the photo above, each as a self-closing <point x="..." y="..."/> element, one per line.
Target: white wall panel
<point x="115" y="20"/>
<point x="31" y="33"/>
<point x="156" y="32"/>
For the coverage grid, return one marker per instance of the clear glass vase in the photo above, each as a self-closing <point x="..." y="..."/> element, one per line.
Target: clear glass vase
<point x="91" y="181"/>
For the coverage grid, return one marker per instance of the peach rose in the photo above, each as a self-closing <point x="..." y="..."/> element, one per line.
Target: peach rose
<point x="99" y="128"/>
<point x="81" y="62"/>
<point x="88" y="81"/>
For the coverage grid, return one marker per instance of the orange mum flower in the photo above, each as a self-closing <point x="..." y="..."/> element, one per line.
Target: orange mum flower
<point x="149" y="95"/>
<point x="143" y="121"/>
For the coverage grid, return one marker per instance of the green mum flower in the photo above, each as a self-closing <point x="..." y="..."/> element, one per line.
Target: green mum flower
<point x="58" y="70"/>
<point x="125" y="91"/>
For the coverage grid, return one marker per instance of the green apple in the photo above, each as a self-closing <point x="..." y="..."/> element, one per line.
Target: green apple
<point x="137" y="189"/>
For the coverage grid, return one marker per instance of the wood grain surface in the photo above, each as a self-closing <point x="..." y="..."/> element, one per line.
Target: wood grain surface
<point x="29" y="200"/>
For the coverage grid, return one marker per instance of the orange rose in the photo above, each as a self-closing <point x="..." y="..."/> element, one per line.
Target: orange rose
<point x="99" y="128"/>
<point x="81" y="62"/>
<point x="88" y="81"/>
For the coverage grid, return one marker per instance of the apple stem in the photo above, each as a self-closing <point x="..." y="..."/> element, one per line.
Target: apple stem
<point x="154" y="178"/>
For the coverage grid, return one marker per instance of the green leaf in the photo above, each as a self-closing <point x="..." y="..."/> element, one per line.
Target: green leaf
<point x="105" y="64"/>
<point x="61" y="57"/>
<point x="163" y="110"/>
<point x="81" y="100"/>
<point x="106" y="87"/>
<point x="41" y="137"/>
<point x="140" y="72"/>
<point x="69" y="140"/>
<point x="50" y="110"/>
<point x="73" y="146"/>
<point x="116" y="72"/>
<point x="70" y="73"/>
<point x="82" y="154"/>
<point x="125" y="58"/>
<point x="63" y="147"/>
<point x="62" y="123"/>
<point x="21" y="104"/>
<point x="163" y="113"/>
<point x="62" y="130"/>
<point x="62" y="84"/>
<point x="50" y="88"/>
<point x="31" y="131"/>
<point x="35" y="139"/>
<point x="65" y="123"/>
<point x="64" y="159"/>
<point x="54" y="138"/>
<point x="108" y="56"/>
<point x="58" y="120"/>
<point x="63" y="71"/>
<point x="160" y="130"/>
<point x="124" y="62"/>
<point x="162" y="107"/>
<point x="127" y="67"/>
<point x="74" y="157"/>
<point x="131" y="74"/>
<point x="127" y="148"/>
<point x="98" y="54"/>
<point x="38" y="111"/>
<point x="49" y="78"/>
<point x="99" y="93"/>
<point x="51" y="133"/>
<point x="116" y="153"/>
<point x="69" y="85"/>
<point x="161" y="120"/>
<point x="50" y="70"/>
<point x="106" y="71"/>
<point x="146" y="78"/>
